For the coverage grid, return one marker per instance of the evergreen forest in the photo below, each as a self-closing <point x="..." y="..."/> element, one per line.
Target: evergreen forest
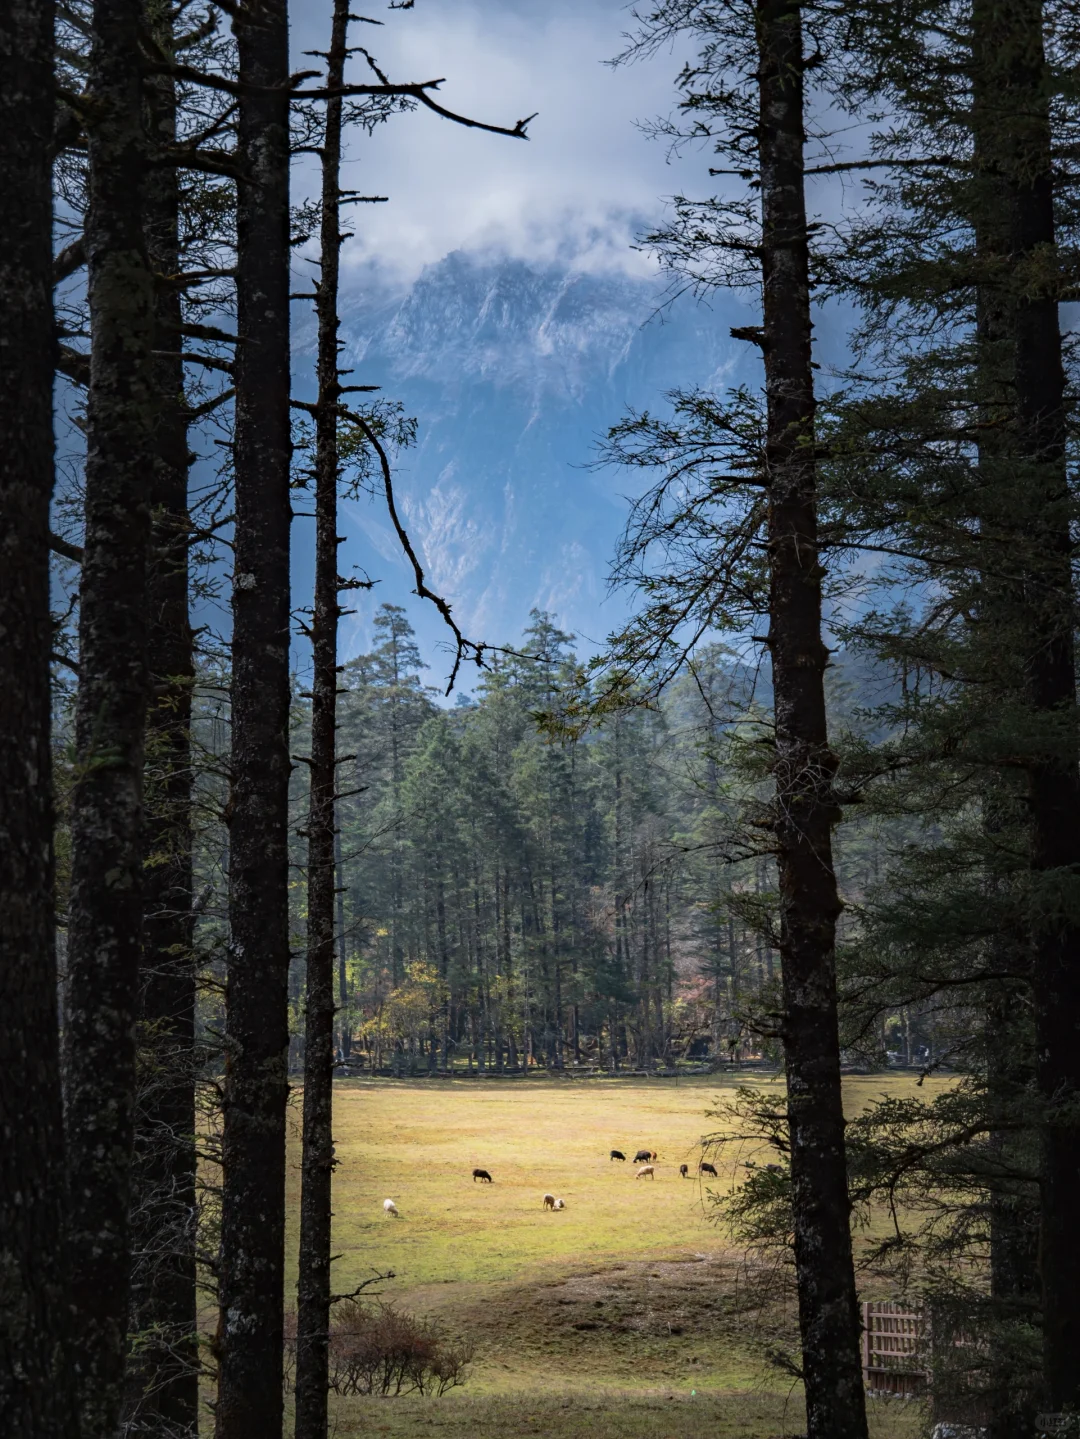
<point x="510" y="899"/>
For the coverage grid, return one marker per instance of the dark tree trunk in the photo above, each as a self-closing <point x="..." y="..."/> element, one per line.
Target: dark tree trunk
<point x="1012" y="1204"/>
<point x="343" y="973"/>
<point x="1013" y="149"/>
<point x="804" y="766"/>
<point x="313" y="1286"/>
<point x="35" y="1389"/>
<point x="163" y="1382"/>
<point x="1013" y="1214"/>
<point x="1055" y="805"/>
<point x="251" y="1277"/>
<point x="105" y="926"/>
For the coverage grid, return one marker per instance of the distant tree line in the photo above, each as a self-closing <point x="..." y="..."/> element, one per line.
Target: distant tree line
<point x="512" y="897"/>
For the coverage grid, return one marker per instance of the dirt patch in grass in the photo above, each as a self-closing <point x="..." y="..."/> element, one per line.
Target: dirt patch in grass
<point x="664" y="1348"/>
<point x="685" y="1321"/>
<point x="638" y="1323"/>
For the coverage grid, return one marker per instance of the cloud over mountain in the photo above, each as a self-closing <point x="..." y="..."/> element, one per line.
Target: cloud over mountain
<point x="514" y="371"/>
<point x="586" y="182"/>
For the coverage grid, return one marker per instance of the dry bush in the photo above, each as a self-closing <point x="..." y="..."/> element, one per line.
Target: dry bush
<point x="377" y="1349"/>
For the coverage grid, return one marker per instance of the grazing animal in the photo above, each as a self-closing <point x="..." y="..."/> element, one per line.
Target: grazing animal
<point x="684" y="1170"/>
<point x="645" y="1156"/>
<point x="707" y="1168"/>
<point x="618" y="1154"/>
<point x="774" y="1168"/>
<point x="645" y="1172"/>
<point x="389" y="1207"/>
<point x="549" y="1201"/>
<point x="482" y="1174"/>
<point x="560" y="1204"/>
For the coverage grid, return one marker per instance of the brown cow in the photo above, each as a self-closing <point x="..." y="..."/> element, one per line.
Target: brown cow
<point x="549" y="1201"/>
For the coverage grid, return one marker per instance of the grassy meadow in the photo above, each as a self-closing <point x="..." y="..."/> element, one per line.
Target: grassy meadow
<point x="616" y="1316"/>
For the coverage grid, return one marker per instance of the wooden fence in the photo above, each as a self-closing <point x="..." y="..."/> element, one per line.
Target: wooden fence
<point x="893" y="1344"/>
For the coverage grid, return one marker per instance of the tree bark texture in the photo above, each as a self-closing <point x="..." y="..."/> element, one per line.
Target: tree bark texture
<point x="1013" y="1216"/>
<point x="804" y="766"/>
<point x="105" y="927"/>
<point x="1012" y="1204"/>
<point x="251" y="1277"/>
<point x="313" y="1286"/>
<point x="163" y="1383"/>
<point x="343" y="973"/>
<point x="35" y="1394"/>
<point x="1013" y="145"/>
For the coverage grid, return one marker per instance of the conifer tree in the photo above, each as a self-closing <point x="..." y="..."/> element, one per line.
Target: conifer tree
<point x="165" y="1372"/>
<point x="36" y="1392"/>
<point x="251" y="1277"/>
<point x="313" y="1292"/>
<point x="963" y="256"/>
<point x="746" y="92"/>
<point x="105" y="923"/>
<point x="804" y="767"/>
<point x="1010" y="37"/>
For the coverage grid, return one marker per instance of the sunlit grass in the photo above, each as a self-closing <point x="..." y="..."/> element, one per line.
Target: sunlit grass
<point x="616" y="1316"/>
<point x="418" y="1143"/>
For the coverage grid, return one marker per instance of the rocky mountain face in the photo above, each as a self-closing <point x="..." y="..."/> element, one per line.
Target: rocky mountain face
<point x="514" y="373"/>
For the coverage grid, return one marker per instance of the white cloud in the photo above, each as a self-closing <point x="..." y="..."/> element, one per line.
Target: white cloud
<point x="577" y="191"/>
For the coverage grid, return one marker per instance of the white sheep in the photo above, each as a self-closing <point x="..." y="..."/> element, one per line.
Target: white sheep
<point x="389" y="1207"/>
<point x="560" y="1204"/>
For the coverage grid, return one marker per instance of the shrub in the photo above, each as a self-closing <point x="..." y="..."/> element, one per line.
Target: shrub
<point x="377" y="1349"/>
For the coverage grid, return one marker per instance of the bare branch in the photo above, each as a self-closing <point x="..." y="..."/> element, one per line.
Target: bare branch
<point x="60" y="546"/>
<point x="465" y="648"/>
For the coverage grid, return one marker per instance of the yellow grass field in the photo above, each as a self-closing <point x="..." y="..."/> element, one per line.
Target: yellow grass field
<point x="616" y="1316"/>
